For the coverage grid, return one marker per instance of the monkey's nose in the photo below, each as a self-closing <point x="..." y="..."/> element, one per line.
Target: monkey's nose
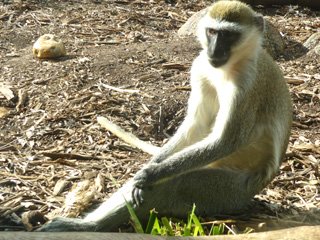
<point x="218" y="62"/>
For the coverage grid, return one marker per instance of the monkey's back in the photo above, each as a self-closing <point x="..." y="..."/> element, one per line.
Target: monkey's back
<point x="275" y="101"/>
<point x="273" y="90"/>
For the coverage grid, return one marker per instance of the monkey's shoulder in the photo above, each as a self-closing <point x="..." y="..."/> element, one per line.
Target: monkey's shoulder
<point x="267" y="66"/>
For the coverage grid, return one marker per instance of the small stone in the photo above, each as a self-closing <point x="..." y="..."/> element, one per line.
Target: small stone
<point x="48" y="46"/>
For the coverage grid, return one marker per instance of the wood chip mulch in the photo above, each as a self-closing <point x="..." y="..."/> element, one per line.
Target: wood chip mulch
<point x="125" y="62"/>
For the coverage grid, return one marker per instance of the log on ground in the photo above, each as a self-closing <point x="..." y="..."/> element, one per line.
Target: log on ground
<point x="297" y="233"/>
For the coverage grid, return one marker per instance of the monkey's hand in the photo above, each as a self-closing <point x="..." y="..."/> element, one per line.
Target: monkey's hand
<point x="146" y="177"/>
<point x="61" y="224"/>
<point x="158" y="158"/>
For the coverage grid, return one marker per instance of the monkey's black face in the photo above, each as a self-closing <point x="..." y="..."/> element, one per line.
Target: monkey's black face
<point x="220" y="43"/>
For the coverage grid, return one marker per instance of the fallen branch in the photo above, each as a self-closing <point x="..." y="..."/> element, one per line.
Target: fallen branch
<point x="294" y="81"/>
<point x="183" y="88"/>
<point x="178" y="66"/>
<point x="54" y="155"/>
<point x="301" y="233"/>
<point x="127" y="137"/>
<point x="119" y="89"/>
<point x="77" y="200"/>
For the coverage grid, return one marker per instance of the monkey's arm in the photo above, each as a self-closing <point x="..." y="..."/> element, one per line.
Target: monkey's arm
<point x="177" y="142"/>
<point x="194" y="127"/>
<point x="231" y="131"/>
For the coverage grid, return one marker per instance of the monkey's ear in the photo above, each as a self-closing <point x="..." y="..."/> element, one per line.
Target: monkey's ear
<point x="259" y="21"/>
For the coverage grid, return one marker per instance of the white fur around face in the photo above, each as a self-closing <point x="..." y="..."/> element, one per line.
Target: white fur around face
<point x="208" y="22"/>
<point x="247" y="47"/>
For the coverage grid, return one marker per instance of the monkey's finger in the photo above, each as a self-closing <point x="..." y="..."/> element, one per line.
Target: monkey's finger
<point x="135" y="198"/>
<point x="140" y="196"/>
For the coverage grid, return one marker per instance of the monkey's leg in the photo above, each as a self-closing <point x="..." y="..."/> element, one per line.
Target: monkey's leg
<point x="113" y="212"/>
<point x="107" y="217"/>
<point x="214" y="191"/>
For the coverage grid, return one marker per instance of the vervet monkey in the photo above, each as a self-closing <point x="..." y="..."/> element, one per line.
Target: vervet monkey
<point x="232" y="140"/>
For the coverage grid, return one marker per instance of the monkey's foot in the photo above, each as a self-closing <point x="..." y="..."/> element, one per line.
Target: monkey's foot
<point x="61" y="224"/>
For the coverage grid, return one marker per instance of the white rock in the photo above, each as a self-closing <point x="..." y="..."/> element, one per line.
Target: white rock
<point x="48" y="46"/>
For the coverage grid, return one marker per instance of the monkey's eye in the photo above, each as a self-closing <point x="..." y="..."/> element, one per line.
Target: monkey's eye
<point x="211" y="31"/>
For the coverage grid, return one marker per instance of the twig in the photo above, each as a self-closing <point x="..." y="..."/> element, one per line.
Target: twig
<point x="41" y="81"/>
<point x="13" y="197"/>
<point x="299" y="125"/>
<point x="54" y="155"/>
<point x="110" y="42"/>
<point x="160" y="119"/>
<point x="119" y="89"/>
<point x="230" y="229"/>
<point x="22" y="95"/>
<point x="174" y="66"/>
<point x="8" y="147"/>
<point x="182" y="88"/>
<point x="295" y="81"/>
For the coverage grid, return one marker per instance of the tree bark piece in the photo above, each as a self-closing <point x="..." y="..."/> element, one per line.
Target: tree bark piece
<point x="298" y="233"/>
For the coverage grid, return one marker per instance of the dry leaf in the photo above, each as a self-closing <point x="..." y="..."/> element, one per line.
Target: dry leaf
<point x="307" y="147"/>
<point x="7" y="92"/>
<point x="60" y="186"/>
<point x="99" y="183"/>
<point x="4" y="112"/>
<point x="77" y="200"/>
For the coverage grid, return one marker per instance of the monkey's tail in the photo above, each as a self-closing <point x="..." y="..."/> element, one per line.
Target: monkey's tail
<point x="127" y="137"/>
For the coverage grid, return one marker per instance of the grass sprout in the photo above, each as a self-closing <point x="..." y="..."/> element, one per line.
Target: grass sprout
<point x="164" y="226"/>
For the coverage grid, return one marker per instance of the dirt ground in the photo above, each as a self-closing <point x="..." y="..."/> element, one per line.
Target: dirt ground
<point x="48" y="109"/>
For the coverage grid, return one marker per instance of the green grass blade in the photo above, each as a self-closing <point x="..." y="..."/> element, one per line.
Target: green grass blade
<point x="136" y="223"/>
<point x="151" y="221"/>
<point x="156" y="229"/>
<point x="195" y="231"/>
<point x="221" y="228"/>
<point x="178" y="229"/>
<point x="198" y="225"/>
<point x="167" y="226"/>
<point x="215" y="230"/>
<point x="248" y="230"/>
<point x="186" y="231"/>
<point x="187" y="227"/>
<point x="190" y="217"/>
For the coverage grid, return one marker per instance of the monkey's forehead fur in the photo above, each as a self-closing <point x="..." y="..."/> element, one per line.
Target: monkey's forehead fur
<point x="232" y="11"/>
